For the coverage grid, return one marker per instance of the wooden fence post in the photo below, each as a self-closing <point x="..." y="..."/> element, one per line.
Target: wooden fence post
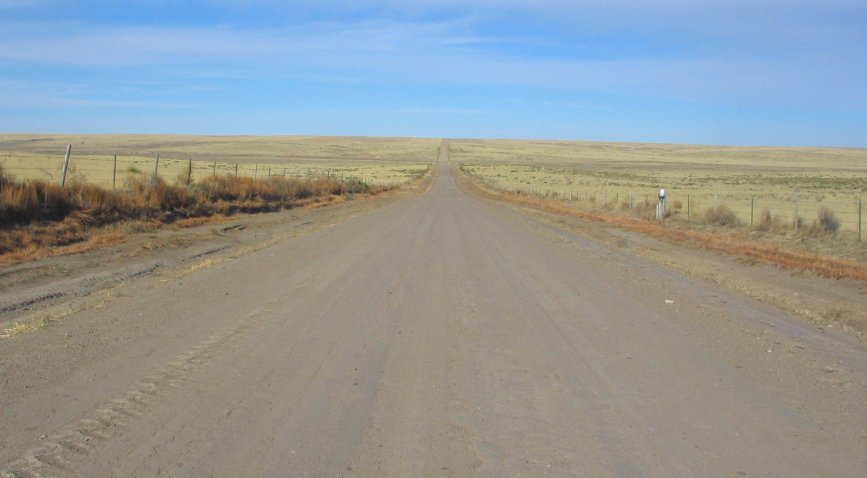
<point x="189" y="170"/>
<point x="215" y="169"/>
<point x="236" y="170"/>
<point x="256" y="171"/>
<point x="156" y="167"/>
<point x="796" y="221"/>
<point x="269" y="173"/>
<point x="114" y="174"/>
<point x="65" y="165"/>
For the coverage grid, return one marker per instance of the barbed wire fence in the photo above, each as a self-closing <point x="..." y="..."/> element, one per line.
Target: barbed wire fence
<point x="116" y="171"/>
<point x="794" y="209"/>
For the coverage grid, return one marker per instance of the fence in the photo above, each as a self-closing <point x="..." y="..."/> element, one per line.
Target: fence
<point x="782" y="207"/>
<point x="115" y="170"/>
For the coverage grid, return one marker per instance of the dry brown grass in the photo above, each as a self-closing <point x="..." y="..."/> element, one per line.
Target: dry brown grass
<point x="785" y="257"/>
<point x="36" y="216"/>
<point x="721" y="216"/>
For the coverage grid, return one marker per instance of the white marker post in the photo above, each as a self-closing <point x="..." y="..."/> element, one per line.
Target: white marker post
<point x="660" y="206"/>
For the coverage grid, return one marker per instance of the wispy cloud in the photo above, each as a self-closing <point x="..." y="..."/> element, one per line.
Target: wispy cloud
<point x="438" y="52"/>
<point x="784" y="54"/>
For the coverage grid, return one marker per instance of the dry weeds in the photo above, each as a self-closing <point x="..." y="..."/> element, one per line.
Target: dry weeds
<point x="37" y="217"/>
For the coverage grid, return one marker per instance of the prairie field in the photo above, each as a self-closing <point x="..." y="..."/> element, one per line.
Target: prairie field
<point x="378" y="161"/>
<point x="770" y="184"/>
<point x="110" y="180"/>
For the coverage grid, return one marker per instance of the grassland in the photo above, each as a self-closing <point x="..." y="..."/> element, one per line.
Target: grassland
<point x="197" y="177"/>
<point x="753" y="182"/>
<point x="377" y="161"/>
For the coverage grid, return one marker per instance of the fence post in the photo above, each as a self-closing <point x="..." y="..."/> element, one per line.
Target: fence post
<point x="859" y="219"/>
<point x="269" y="173"/>
<point x="215" y="169"/>
<point x="236" y="170"/>
<point x="65" y="165"/>
<point x="796" y="221"/>
<point x="189" y="170"/>
<point x="156" y="167"/>
<point x="687" y="206"/>
<point x="114" y="174"/>
<point x="752" y="209"/>
<point x="256" y="171"/>
<point x="284" y="173"/>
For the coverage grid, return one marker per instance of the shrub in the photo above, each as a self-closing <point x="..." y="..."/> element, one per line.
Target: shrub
<point x="720" y="216"/>
<point x="827" y="221"/>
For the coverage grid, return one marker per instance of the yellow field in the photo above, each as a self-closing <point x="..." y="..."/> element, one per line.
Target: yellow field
<point x="374" y="160"/>
<point x="748" y="180"/>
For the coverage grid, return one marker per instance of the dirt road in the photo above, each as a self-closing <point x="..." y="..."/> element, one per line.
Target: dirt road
<point x="439" y="335"/>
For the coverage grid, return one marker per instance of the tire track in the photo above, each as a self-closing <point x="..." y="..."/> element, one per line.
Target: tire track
<point x="59" y="450"/>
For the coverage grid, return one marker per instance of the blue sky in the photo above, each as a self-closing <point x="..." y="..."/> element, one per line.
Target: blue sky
<point x="767" y="72"/>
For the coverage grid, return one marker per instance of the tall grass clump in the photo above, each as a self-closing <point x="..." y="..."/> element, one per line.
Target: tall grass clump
<point x="766" y="221"/>
<point x="721" y="216"/>
<point x="23" y="202"/>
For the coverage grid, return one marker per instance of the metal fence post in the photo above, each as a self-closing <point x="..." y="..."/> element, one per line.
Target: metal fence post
<point x="65" y="165"/>
<point x="752" y="209"/>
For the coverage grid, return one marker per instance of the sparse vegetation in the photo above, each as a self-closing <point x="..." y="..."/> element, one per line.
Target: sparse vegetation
<point x="744" y="179"/>
<point x="728" y="240"/>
